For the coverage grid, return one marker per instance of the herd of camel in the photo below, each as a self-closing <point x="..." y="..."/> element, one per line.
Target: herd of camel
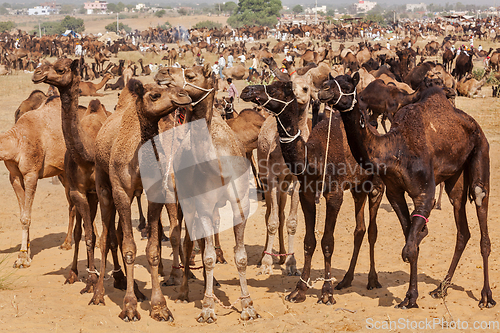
<point x="94" y="152"/>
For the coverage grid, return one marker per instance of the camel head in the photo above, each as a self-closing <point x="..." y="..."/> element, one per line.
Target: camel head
<point x="156" y="102"/>
<point x="302" y="88"/>
<point x="59" y="74"/>
<point x="340" y="91"/>
<point x="274" y="97"/>
<point x="197" y="80"/>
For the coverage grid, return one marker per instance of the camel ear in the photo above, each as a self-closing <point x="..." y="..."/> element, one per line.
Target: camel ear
<point x="136" y="87"/>
<point x="330" y="77"/>
<point x="355" y="78"/>
<point x="207" y="70"/>
<point x="75" y="65"/>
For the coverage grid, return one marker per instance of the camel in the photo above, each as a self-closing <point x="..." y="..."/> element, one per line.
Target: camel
<point x="79" y="136"/>
<point x="463" y="65"/>
<point x="33" y="102"/>
<point x="430" y="141"/>
<point x="365" y="79"/>
<point x="135" y="121"/>
<point x="119" y="84"/>
<point x="448" y="57"/>
<point x="237" y="72"/>
<point x="90" y="89"/>
<point x="100" y="59"/>
<point x="145" y="70"/>
<point x="199" y="82"/>
<point x="307" y="160"/>
<point x="470" y="87"/>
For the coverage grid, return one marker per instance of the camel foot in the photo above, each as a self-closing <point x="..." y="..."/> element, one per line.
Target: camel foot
<point x="345" y="283"/>
<point x="142" y="223"/>
<point x="120" y="280"/>
<point x="175" y="278"/>
<point x="407" y="304"/>
<point x="65" y="246"/>
<point x="72" y="277"/>
<point x="161" y="313"/>
<point x="486" y="300"/>
<point x="296" y="296"/>
<point x="138" y="294"/>
<point x="207" y="314"/>
<point x="144" y="234"/>
<point x="129" y="312"/>
<point x="291" y="267"/>
<point x="98" y="297"/>
<point x="373" y="282"/>
<point x="91" y="282"/>
<point x="248" y="312"/>
<point x="327" y="299"/>
<point x="23" y="261"/>
<point x="265" y="269"/>
<point x="220" y="256"/>
<point x="438" y="207"/>
<point x="439" y="292"/>
<point x="182" y="298"/>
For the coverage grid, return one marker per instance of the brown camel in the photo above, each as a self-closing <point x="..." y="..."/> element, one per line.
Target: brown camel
<point x="33" y="102"/>
<point x="90" y="89"/>
<point x="307" y="160"/>
<point x="199" y="82"/>
<point x="134" y="122"/>
<point x="470" y="87"/>
<point x="237" y="72"/>
<point x="79" y="135"/>
<point x="145" y="70"/>
<point x="100" y="59"/>
<point x="430" y="142"/>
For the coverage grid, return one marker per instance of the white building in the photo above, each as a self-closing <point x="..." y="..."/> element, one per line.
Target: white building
<point x="42" y="10"/>
<point x="140" y="6"/>
<point x="364" y="6"/>
<point x="411" y="7"/>
<point x="315" y="10"/>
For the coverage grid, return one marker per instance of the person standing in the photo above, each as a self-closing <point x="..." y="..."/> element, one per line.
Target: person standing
<point x="242" y="59"/>
<point x="233" y="92"/>
<point x="230" y="60"/>
<point x="222" y="65"/>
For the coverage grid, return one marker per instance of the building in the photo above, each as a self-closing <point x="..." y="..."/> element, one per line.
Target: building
<point x="364" y="6"/>
<point x="101" y="6"/>
<point x="315" y="10"/>
<point x="140" y="6"/>
<point x="43" y="10"/>
<point x="412" y="7"/>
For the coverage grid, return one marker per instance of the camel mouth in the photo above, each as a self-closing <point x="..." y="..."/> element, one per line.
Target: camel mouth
<point x="38" y="79"/>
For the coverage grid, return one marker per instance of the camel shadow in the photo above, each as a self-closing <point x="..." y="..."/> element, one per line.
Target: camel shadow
<point x="39" y="244"/>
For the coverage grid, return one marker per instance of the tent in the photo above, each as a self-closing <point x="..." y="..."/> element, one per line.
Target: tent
<point x="72" y="33"/>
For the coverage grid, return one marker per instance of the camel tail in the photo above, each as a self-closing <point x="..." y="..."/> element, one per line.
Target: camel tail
<point x="479" y="184"/>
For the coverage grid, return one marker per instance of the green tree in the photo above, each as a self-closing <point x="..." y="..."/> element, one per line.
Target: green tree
<point x="6" y="26"/>
<point x="72" y="23"/>
<point x="230" y="7"/>
<point x="66" y="9"/>
<point x="112" y="27"/>
<point x="50" y="28"/>
<point x="208" y="24"/>
<point x="330" y="12"/>
<point x="182" y="12"/>
<point x="6" y="5"/>
<point x="256" y="12"/>
<point x="298" y="9"/>
<point x="160" y="13"/>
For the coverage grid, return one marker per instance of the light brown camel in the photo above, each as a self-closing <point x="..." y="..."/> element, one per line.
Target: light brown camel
<point x="237" y="72"/>
<point x="33" y="102"/>
<point x="79" y="136"/>
<point x="33" y="149"/>
<point x="134" y="122"/>
<point x="470" y="87"/>
<point x="90" y="89"/>
<point x="430" y="141"/>
<point x="274" y="175"/>
<point x="199" y="82"/>
<point x="100" y="59"/>
<point x="145" y="70"/>
<point x="318" y="164"/>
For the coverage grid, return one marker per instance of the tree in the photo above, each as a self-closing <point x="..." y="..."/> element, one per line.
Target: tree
<point x="298" y="9"/>
<point x="230" y="7"/>
<point x="208" y="24"/>
<point x="6" y="26"/>
<point x="182" y="12"/>
<point x="72" y="23"/>
<point x="256" y="12"/>
<point x="112" y="27"/>
<point x="160" y="13"/>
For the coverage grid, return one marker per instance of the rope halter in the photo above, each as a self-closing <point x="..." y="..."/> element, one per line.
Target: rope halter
<point x="208" y="91"/>
<point x="342" y="94"/>
<point x="289" y="138"/>
<point x="226" y="105"/>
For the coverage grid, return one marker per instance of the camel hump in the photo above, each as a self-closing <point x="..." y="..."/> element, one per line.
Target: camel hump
<point x="94" y="106"/>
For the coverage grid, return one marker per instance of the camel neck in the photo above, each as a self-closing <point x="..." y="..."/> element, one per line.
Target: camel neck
<point x="78" y="143"/>
<point x="204" y="110"/>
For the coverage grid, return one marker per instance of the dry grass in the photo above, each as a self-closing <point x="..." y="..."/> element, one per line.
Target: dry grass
<point x="7" y="273"/>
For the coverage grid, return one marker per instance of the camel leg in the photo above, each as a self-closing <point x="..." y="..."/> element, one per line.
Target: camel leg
<point x="159" y="310"/>
<point x="30" y="183"/>
<point x="218" y="250"/>
<point x="308" y="204"/>
<point x="208" y="304"/>
<point x="359" y="233"/>
<point x="73" y="273"/>
<point x="375" y="198"/>
<point x="267" y="197"/>
<point x="438" y="203"/>
<point x="291" y="226"/>
<point x="282" y="196"/>
<point x="272" y="225"/>
<point x="142" y="219"/>
<point x="66" y="245"/>
<point x="188" y="249"/>
<point x="333" y="203"/>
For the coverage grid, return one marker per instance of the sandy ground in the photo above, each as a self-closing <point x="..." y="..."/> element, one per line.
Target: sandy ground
<point x="37" y="299"/>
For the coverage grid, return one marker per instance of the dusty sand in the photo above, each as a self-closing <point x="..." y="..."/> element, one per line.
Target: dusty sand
<point x="37" y="299"/>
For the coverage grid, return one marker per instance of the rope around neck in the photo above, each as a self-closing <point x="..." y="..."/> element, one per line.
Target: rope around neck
<point x="208" y="91"/>
<point x="342" y="94"/>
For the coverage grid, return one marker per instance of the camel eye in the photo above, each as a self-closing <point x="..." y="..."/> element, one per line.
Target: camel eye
<point x="155" y="97"/>
<point x="190" y="76"/>
<point x="305" y="89"/>
<point x="60" y="71"/>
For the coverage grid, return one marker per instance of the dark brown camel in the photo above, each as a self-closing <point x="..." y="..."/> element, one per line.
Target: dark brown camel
<point x="429" y="142"/>
<point x="463" y="65"/>
<point x="448" y="57"/>
<point x="307" y="161"/>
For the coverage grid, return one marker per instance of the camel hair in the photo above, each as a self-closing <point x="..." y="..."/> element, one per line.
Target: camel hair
<point x="134" y="122"/>
<point x="79" y="136"/>
<point x="90" y="89"/>
<point x="307" y="161"/>
<point x="199" y="82"/>
<point x="429" y="142"/>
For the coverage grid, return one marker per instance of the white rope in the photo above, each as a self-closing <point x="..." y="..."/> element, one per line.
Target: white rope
<point x="197" y="87"/>
<point x="326" y="153"/>
<point x="93" y="272"/>
<point x="344" y="94"/>
<point x="310" y="284"/>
